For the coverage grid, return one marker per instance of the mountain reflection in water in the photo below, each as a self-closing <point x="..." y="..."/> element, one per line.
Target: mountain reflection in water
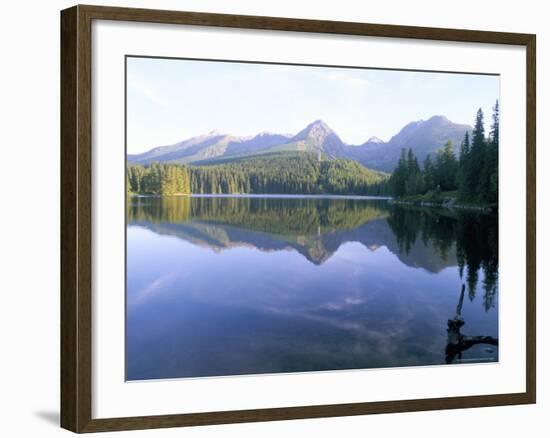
<point x="245" y="285"/>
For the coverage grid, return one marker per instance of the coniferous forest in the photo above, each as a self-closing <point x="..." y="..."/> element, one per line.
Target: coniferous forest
<point x="473" y="174"/>
<point x="276" y="173"/>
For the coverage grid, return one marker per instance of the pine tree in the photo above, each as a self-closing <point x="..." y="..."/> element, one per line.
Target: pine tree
<point x="413" y="184"/>
<point x="399" y="176"/>
<point x="488" y="178"/>
<point x="446" y="167"/>
<point x="429" y="173"/>
<point x="495" y="126"/>
<point x="475" y="180"/>
<point x="493" y="155"/>
<point x="463" y="167"/>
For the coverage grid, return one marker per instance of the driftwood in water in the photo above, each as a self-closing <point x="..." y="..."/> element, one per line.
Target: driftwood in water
<point x="456" y="341"/>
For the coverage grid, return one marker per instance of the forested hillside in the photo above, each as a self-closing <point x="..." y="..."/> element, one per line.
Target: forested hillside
<point x="276" y="173"/>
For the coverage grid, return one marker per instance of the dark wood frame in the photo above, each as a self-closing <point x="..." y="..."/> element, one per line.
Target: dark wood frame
<point x="76" y="218"/>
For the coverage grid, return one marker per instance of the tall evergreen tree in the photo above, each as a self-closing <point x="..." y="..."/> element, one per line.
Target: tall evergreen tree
<point x="399" y="176"/>
<point x="429" y="173"/>
<point x="463" y="165"/>
<point x="496" y="122"/>
<point x="491" y="161"/>
<point x="447" y="167"/>
<point x="475" y="181"/>
<point x="413" y="181"/>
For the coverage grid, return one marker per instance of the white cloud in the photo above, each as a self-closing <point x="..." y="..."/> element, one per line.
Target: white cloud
<point x="156" y="286"/>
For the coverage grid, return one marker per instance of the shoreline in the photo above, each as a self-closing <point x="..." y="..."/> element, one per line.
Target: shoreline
<point x="271" y="195"/>
<point x="448" y="204"/>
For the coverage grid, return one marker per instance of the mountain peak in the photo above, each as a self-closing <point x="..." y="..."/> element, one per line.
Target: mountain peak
<point x="438" y="120"/>
<point x="213" y="133"/>
<point x="317" y="130"/>
<point x="375" y="139"/>
<point x="319" y="136"/>
<point x="319" y="124"/>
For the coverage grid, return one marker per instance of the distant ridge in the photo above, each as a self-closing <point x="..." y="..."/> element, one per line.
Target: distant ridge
<point x="424" y="137"/>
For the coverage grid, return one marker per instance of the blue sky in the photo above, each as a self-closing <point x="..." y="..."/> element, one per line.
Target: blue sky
<point x="170" y="100"/>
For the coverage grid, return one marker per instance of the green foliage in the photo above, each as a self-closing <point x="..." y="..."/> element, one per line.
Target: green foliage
<point x="407" y="178"/>
<point x="478" y="177"/>
<point x="474" y="174"/>
<point x="277" y="173"/>
<point x="159" y="179"/>
<point x="429" y="173"/>
<point x="446" y="167"/>
<point x="491" y="161"/>
<point x="463" y="168"/>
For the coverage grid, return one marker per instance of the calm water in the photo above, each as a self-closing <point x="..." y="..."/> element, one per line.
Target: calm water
<point x="239" y="285"/>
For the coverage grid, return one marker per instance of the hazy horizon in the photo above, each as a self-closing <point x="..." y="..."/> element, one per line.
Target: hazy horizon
<point x="169" y="100"/>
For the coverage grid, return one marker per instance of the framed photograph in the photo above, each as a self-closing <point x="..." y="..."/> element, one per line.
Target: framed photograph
<point x="271" y="218"/>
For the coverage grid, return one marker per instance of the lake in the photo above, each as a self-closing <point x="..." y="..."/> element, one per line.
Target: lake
<point x="233" y="285"/>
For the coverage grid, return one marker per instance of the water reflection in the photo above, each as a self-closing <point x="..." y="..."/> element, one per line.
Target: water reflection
<point x="241" y="285"/>
<point x="471" y="238"/>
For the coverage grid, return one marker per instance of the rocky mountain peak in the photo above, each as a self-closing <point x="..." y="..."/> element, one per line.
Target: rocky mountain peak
<point x="438" y="120"/>
<point x="375" y="140"/>
<point x="318" y="131"/>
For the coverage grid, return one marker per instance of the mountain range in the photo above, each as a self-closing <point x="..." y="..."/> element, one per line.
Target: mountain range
<point x="423" y="136"/>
